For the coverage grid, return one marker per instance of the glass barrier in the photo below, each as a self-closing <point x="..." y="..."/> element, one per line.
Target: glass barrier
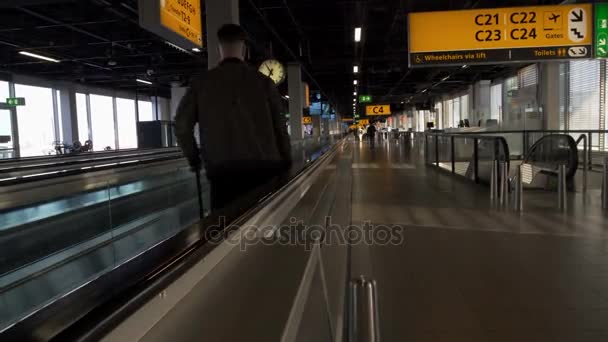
<point x="49" y="249"/>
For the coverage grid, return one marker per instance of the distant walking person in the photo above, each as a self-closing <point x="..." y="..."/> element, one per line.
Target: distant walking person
<point x="371" y="134"/>
<point x="243" y="131"/>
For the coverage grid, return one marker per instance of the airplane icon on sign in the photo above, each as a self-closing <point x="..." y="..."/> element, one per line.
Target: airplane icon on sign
<point x="554" y="17"/>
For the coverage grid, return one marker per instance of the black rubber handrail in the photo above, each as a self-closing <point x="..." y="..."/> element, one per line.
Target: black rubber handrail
<point x="80" y="171"/>
<point x="573" y="165"/>
<point x="100" y="159"/>
<point x="61" y="156"/>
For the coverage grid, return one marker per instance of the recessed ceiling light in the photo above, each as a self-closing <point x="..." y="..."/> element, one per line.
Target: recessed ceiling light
<point x="357" y="34"/>
<point x="34" y="55"/>
<point x="355" y="82"/>
<point x="356" y="69"/>
<point x="144" y="81"/>
<point x="196" y="49"/>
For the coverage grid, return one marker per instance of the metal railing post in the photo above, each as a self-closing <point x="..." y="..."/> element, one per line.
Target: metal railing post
<point x="562" y="189"/>
<point x="585" y="163"/>
<point x="453" y="150"/>
<point x="524" y="145"/>
<point x="476" y="159"/>
<point x="504" y="184"/>
<point x="363" y="315"/>
<point x="605" y="185"/>
<point x="437" y="150"/>
<point x="494" y="181"/>
<point x="519" y="190"/>
<point x="589" y="151"/>
<point x="426" y="152"/>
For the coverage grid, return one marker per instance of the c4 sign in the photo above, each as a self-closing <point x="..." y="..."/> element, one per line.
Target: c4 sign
<point x="378" y="110"/>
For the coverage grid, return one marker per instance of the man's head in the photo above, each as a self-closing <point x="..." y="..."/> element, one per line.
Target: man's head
<point x="232" y="41"/>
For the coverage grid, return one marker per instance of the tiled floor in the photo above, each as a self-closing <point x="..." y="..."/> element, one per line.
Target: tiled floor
<point x="467" y="271"/>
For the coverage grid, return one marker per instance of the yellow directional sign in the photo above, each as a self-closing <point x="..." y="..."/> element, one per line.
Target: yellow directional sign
<point x="307" y="120"/>
<point x="363" y="122"/>
<point x="378" y="110"/>
<point x="177" y="21"/>
<point x="500" y="35"/>
<point x="183" y="17"/>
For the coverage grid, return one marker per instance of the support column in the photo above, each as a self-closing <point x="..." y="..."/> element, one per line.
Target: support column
<point x="481" y="105"/>
<point x="69" y="115"/>
<point x="14" y="123"/>
<point x="550" y="94"/>
<point x="218" y="13"/>
<point x="296" y="104"/>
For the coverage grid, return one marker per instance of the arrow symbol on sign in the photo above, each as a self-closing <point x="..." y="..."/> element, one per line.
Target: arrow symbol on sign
<point x="602" y="51"/>
<point x="602" y="41"/>
<point x="582" y="51"/>
<point x="577" y="17"/>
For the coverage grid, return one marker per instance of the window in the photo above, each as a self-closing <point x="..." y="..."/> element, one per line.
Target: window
<point x="450" y="113"/>
<point x="127" y="127"/>
<point x="456" y="111"/>
<point x="495" y="101"/>
<point x="439" y="114"/>
<point x="102" y="122"/>
<point x="464" y="107"/>
<point x="35" y="120"/>
<point x="145" y="111"/>
<point x="83" y="118"/>
<point x="584" y="95"/>
<point x="511" y="83"/>
<point x="528" y="76"/>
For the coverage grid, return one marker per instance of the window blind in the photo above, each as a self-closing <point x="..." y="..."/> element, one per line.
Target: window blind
<point x="584" y="95"/>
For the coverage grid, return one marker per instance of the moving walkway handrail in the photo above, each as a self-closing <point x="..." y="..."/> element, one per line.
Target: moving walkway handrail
<point x="109" y="315"/>
<point x="80" y="158"/>
<point x="10" y="181"/>
<point x="17" y="160"/>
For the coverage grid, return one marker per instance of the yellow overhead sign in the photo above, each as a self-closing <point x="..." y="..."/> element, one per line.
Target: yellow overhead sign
<point x="184" y="18"/>
<point x="363" y="122"/>
<point x="500" y="35"/>
<point x="378" y="110"/>
<point x="307" y="120"/>
<point x="179" y="22"/>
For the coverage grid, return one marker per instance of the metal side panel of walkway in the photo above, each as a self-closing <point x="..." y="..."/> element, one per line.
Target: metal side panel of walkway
<point x="466" y="271"/>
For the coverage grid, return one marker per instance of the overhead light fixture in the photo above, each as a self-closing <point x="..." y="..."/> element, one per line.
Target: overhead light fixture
<point x="354" y="100"/>
<point x="356" y="69"/>
<point x="355" y="82"/>
<point x="144" y="81"/>
<point x="357" y="34"/>
<point x="425" y="90"/>
<point x="445" y="78"/>
<point x="196" y="49"/>
<point x="355" y="93"/>
<point x="44" y="58"/>
<point x="465" y="66"/>
<point x="287" y="96"/>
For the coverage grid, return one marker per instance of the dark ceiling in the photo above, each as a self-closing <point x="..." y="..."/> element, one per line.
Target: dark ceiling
<point x="101" y="43"/>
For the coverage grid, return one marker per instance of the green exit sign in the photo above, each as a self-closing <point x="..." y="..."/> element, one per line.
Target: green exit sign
<point x="365" y="99"/>
<point x="601" y="30"/>
<point x="15" y="101"/>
